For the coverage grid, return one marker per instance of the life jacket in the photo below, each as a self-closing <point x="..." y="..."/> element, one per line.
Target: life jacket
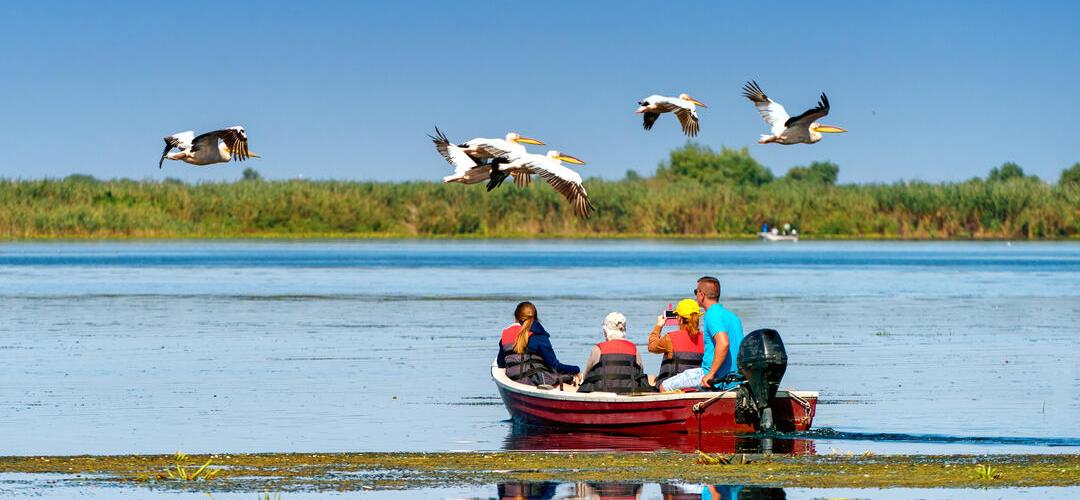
<point x="687" y="353"/>
<point x="527" y="368"/>
<point x="617" y="371"/>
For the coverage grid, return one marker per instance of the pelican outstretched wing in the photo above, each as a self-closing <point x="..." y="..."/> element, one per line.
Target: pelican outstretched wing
<point x="567" y="182"/>
<point x="811" y="115"/>
<point x="774" y="114"/>
<point x="650" y="119"/>
<point x="689" y="120"/>
<point x="234" y="138"/>
<point x="522" y="179"/>
<point x="180" y="141"/>
<point x="454" y="155"/>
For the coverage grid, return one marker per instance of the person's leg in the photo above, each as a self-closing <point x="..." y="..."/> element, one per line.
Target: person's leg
<point x="684" y="380"/>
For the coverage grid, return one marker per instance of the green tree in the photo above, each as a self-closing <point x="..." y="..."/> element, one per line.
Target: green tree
<point x="1070" y="176"/>
<point x="820" y="172"/>
<point x="702" y="164"/>
<point x="1006" y="171"/>
<point x="250" y="174"/>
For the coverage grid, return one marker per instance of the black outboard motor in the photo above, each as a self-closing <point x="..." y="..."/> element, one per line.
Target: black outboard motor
<point x="763" y="361"/>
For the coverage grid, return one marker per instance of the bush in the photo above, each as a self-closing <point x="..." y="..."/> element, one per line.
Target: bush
<point x="819" y="172"/>
<point x="700" y="163"/>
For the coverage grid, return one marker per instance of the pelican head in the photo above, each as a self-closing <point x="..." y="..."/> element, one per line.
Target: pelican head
<point x="687" y="97"/>
<point x="518" y="138"/>
<point x="829" y="129"/>
<point x="564" y="157"/>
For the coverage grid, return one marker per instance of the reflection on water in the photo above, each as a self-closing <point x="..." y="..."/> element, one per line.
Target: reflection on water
<point x="382" y="346"/>
<point x="55" y="487"/>
<point x="528" y="438"/>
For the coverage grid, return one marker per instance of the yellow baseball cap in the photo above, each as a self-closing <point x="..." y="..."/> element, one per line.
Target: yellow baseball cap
<point x="687" y="307"/>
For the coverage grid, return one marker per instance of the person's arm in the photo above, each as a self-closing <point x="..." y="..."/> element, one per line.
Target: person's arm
<point x="720" y="352"/>
<point x="547" y="353"/>
<point x="594" y="358"/>
<point x="658" y="344"/>
<point x="500" y="359"/>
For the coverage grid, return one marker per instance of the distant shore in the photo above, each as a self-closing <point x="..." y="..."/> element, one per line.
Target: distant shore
<point x="661" y="208"/>
<point x="366" y="471"/>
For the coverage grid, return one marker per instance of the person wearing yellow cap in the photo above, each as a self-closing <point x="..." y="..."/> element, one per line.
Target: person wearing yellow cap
<point x="683" y="349"/>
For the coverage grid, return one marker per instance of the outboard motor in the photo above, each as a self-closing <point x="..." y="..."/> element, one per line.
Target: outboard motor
<point x="763" y="361"/>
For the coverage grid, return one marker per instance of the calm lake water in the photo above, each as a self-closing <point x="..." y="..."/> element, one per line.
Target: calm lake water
<point x="148" y="347"/>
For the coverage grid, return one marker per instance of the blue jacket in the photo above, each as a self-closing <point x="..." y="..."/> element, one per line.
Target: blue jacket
<point x="540" y="344"/>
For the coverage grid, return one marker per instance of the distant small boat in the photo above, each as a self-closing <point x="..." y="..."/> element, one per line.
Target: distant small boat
<point x="778" y="237"/>
<point x="645" y="414"/>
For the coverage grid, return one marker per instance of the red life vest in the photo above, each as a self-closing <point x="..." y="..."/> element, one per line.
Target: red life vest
<point x="617" y="371"/>
<point x="687" y="353"/>
<point x="527" y="368"/>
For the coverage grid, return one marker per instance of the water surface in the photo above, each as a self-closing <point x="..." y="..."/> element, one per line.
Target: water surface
<point x="151" y="347"/>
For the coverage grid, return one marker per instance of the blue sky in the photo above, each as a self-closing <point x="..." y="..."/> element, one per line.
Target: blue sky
<point x="349" y="90"/>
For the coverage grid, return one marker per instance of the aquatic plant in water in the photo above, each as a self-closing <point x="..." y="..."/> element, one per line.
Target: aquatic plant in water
<point x="986" y="472"/>
<point x="179" y="471"/>
<point x="720" y="459"/>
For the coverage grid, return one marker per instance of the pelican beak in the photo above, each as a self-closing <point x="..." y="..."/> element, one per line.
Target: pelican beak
<point x="529" y="140"/>
<point x="570" y="159"/>
<point x="253" y="155"/>
<point x="829" y="129"/>
<point x="699" y="103"/>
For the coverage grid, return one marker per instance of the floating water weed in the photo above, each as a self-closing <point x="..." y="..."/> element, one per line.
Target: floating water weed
<point x="987" y="473"/>
<point x="179" y="471"/>
<point x="719" y="459"/>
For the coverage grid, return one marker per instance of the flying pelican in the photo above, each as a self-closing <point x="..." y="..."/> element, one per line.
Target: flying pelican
<point x="501" y="150"/>
<point x="466" y="169"/>
<point x="802" y="129"/>
<point x="549" y="167"/>
<point x="684" y="107"/>
<point x="219" y="146"/>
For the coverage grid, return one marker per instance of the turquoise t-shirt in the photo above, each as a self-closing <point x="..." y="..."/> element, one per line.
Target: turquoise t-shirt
<point x="718" y="319"/>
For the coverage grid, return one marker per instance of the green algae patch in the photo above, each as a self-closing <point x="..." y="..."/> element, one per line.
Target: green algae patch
<point x="366" y="471"/>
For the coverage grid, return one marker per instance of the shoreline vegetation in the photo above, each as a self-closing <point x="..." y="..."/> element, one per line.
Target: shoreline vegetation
<point x="381" y="471"/>
<point x="697" y="193"/>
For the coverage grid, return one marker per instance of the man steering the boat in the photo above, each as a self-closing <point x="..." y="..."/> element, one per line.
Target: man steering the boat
<point x="723" y="336"/>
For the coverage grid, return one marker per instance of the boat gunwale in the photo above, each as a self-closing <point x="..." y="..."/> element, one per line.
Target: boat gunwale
<point x="504" y="382"/>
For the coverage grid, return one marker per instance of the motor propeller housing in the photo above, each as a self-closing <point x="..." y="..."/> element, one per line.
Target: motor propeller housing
<point x="762" y="361"/>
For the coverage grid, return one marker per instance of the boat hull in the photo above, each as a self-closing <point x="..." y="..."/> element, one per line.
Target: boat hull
<point x="643" y="415"/>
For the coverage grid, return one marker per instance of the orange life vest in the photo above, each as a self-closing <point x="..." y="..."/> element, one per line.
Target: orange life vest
<point x="527" y="368"/>
<point x="617" y="371"/>
<point x="686" y="353"/>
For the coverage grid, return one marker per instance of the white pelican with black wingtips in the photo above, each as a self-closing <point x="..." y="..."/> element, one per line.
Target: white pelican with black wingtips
<point x="466" y="169"/>
<point x="501" y="151"/>
<point x="802" y="129"/>
<point x="550" y="168"/>
<point x="219" y="146"/>
<point x="684" y="107"/>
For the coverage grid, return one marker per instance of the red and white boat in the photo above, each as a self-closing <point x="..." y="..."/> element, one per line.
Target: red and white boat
<point x="646" y="414"/>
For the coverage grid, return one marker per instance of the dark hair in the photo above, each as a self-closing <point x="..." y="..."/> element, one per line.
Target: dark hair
<point x="710" y="287"/>
<point x="524" y="313"/>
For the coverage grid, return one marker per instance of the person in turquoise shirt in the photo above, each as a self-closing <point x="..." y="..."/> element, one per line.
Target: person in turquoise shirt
<point x="723" y="336"/>
<point x="723" y="332"/>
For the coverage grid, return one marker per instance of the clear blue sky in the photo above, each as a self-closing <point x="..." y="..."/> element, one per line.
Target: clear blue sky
<point x="929" y="90"/>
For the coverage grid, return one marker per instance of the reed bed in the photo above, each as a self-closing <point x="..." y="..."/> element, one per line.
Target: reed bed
<point x="667" y="205"/>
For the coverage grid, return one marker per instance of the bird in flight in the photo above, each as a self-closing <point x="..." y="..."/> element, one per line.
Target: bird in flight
<point x="219" y="146"/>
<point x="684" y="107"/>
<point x="802" y="129"/>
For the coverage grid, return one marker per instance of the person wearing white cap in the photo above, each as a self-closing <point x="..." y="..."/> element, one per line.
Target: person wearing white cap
<point x="614" y="365"/>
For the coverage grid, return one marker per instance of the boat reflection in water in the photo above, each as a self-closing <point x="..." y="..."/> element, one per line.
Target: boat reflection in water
<point x="632" y="491"/>
<point x="528" y="438"/>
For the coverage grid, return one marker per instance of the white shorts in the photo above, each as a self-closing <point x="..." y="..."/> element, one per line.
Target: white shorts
<point x="686" y="379"/>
